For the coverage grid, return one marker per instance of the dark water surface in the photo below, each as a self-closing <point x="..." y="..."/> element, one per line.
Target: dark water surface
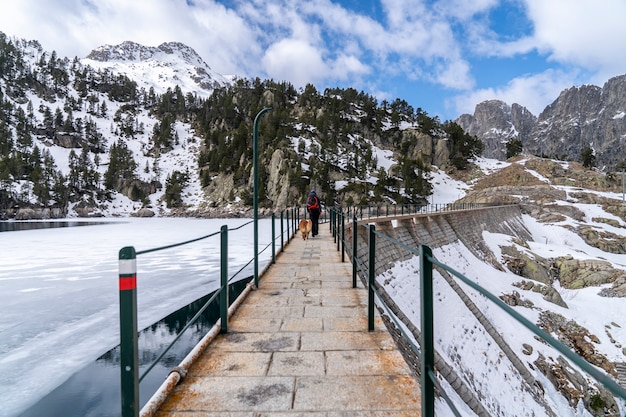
<point x="94" y="391"/>
<point x="16" y="226"/>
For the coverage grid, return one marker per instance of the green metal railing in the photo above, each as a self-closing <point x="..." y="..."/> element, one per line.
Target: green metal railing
<point x="399" y="210"/>
<point x="426" y="352"/>
<point x="129" y="362"/>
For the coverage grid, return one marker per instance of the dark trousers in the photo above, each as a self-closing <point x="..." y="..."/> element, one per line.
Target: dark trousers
<point x="315" y="217"/>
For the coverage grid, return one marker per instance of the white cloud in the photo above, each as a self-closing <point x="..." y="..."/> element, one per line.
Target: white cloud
<point x="347" y="66"/>
<point x="444" y="44"/>
<point x="463" y="9"/>
<point x="455" y="74"/>
<point x="583" y="32"/>
<point x="295" y="61"/>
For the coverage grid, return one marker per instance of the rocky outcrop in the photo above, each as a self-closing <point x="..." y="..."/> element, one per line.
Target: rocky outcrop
<point x="577" y="338"/>
<point x="525" y="266"/>
<point x="576" y="274"/>
<point x="83" y="209"/>
<point x="36" y="214"/>
<point x="433" y="151"/>
<point x="603" y="240"/>
<point x="495" y="123"/>
<point x="575" y="387"/>
<point x="278" y="184"/>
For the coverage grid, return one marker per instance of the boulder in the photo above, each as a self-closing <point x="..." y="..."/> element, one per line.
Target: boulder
<point x="144" y="212"/>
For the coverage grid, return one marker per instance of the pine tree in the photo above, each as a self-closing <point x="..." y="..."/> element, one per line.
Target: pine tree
<point x="513" y="148"/>
<point x="174" y="185"/>
<point x="121" y="168"/>
<point x="588" y="157"/>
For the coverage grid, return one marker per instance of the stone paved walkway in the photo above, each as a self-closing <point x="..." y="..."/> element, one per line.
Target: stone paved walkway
<point x="299" y="346"/>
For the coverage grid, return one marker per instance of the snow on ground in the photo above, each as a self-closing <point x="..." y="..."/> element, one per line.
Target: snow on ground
<point x="464" y="343"/>
<point x="446" y="189"/>
<point x="384" y="157"/>
<point x="489" y="166"/>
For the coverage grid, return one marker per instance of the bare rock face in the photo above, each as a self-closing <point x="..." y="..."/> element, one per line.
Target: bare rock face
<point x="278" y="186"/>
<point x="577" y="338"/>
<point x="584" y="116"/>
<point x="30" y="214"/>
<point x="432" y="150"/>
<point x="525" y="266"/>
<point x="577" y="274"/>
<point x="495" y="123"/>
<point x="575" y="387"/>
<point x="221" y="188"/>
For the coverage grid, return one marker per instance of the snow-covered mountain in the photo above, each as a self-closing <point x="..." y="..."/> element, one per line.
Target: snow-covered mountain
<point x="152" y="116"/>
<point x="160" y="68"/>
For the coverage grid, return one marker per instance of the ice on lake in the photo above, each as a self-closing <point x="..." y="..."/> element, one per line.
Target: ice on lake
<point x="59" y="304"/>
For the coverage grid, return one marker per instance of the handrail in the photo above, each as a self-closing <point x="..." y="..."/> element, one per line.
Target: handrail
<point x="129" y="362"/>
<point x="428" y="263"/>
<point x="363" y="212"/>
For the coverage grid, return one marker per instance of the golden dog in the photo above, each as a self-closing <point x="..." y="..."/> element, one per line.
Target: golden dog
<point x="305" y="228"/>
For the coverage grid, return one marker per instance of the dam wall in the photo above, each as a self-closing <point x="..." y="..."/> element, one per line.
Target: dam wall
<point x="436" y="230"/>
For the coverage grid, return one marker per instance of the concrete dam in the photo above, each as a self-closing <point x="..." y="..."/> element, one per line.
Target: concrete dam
<point x="436" y="230"/>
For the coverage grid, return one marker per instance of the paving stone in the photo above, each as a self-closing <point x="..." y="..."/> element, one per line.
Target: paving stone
<point x="299" y="347"/>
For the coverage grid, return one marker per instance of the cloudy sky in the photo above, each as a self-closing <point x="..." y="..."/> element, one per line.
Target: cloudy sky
<point x="441" y="55"/>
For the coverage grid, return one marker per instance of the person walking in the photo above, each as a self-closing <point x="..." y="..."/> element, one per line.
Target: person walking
<point x="314" y="208"/>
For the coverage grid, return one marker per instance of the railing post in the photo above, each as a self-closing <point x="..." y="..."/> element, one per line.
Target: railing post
<point x="371" y="276"/>
<point x="224" y="279"/>
<point x="343" y="237"/>
<point x="354" y="249"/>
<point x="287" y="226"/>
<point x="333" y="222"/>
<point x="427" y="337"/>
<point x="337" y="228"/>
<point x="282" y="231"/>
<point x="273" y="238"/>
<point x="129" y="352"/>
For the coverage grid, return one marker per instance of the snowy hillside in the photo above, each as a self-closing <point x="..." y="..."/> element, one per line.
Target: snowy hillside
<point x="587" y="318"/>
<point x="136" y="130"/>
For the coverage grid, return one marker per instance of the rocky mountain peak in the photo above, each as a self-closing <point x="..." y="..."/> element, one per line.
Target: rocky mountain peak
<point x="171" y="63"/>
<point x="581" y="117"/>
<point x="128" y="51"/>
<point x="495" y="123"/>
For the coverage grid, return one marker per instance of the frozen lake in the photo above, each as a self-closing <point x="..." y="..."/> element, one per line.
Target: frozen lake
<point x="59" y="304"/>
